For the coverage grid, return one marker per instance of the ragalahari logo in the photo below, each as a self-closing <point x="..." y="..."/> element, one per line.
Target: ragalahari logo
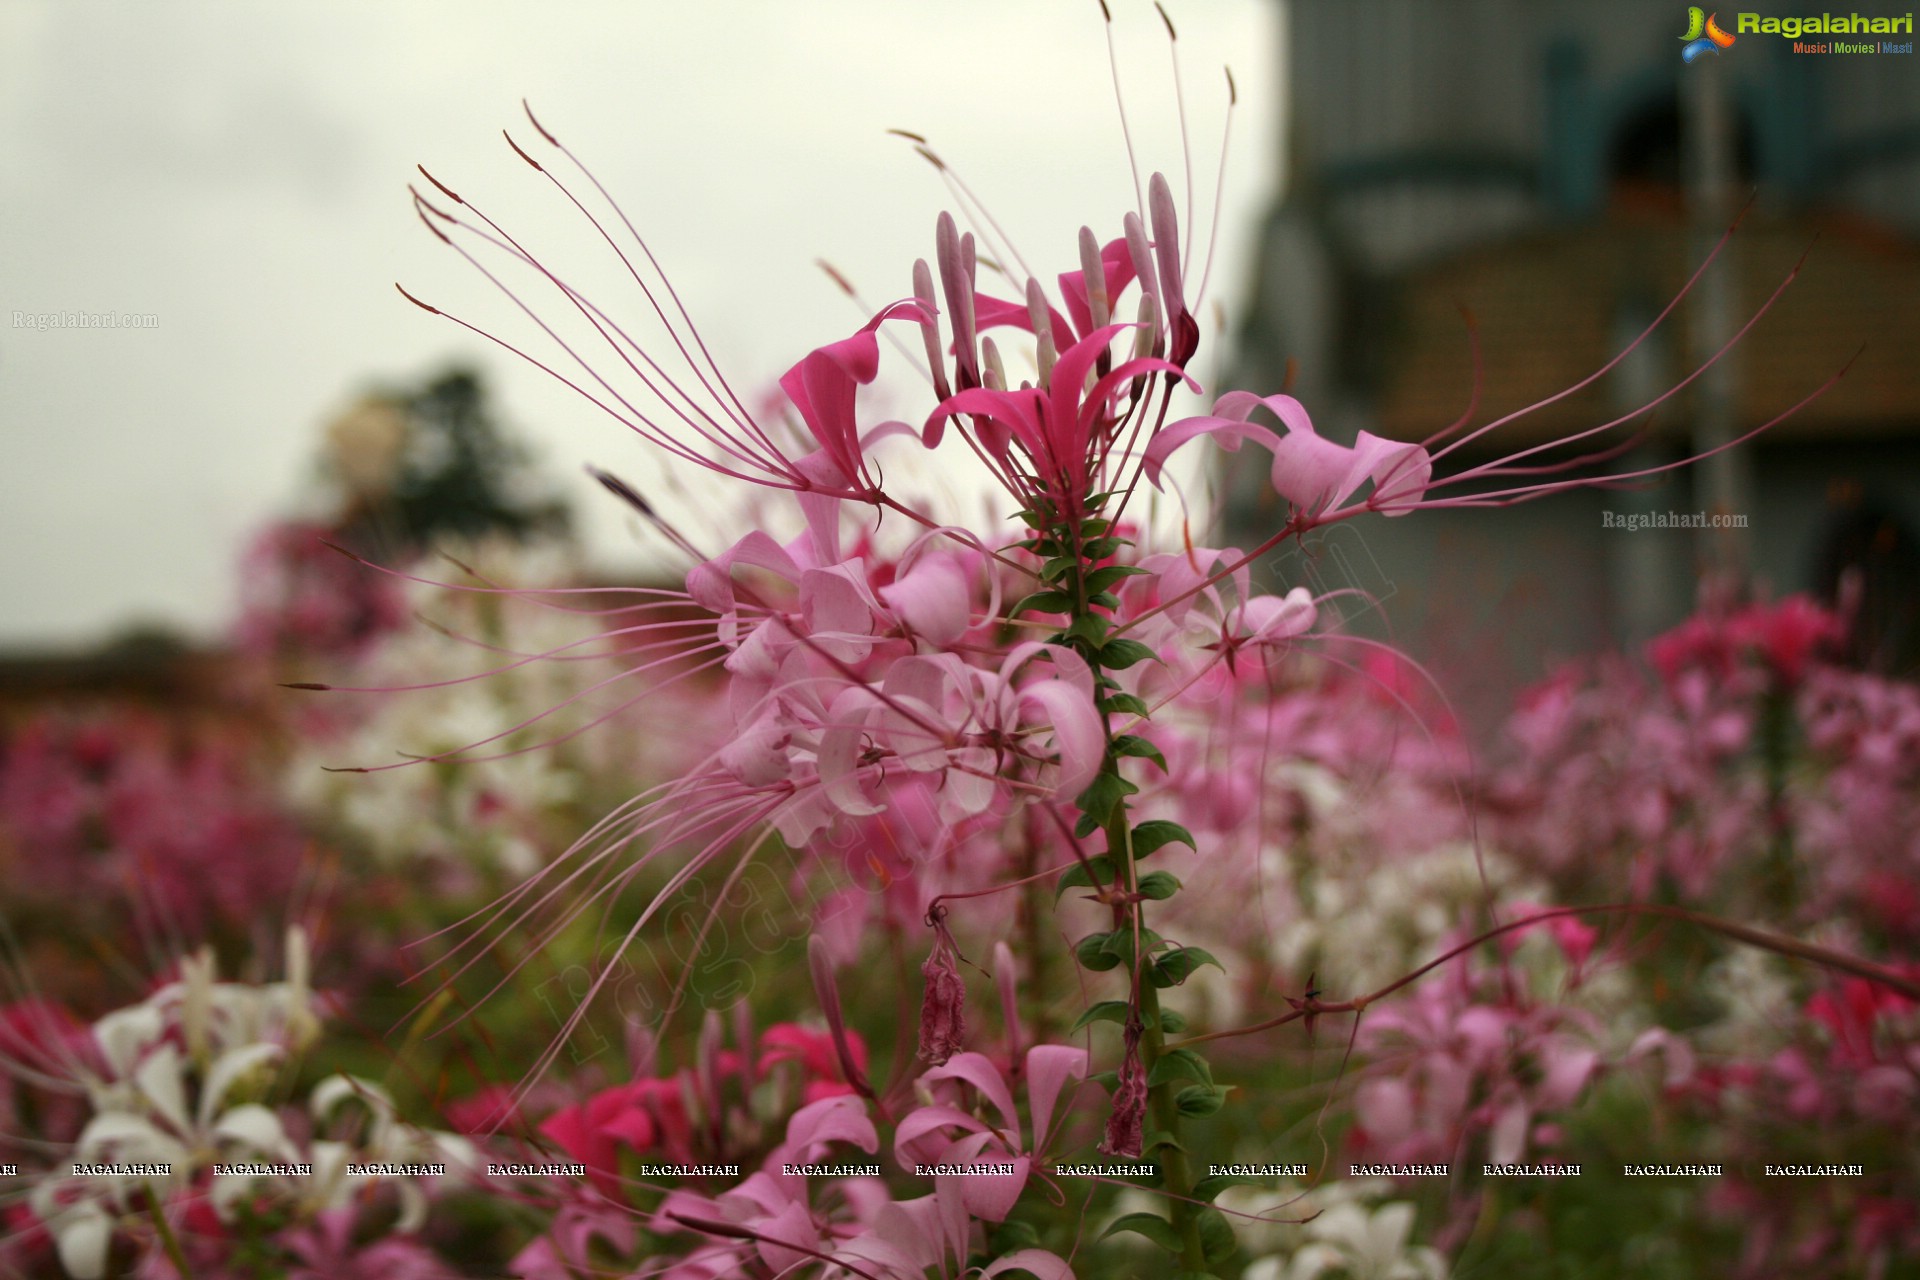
<point x="1703" y="34"/>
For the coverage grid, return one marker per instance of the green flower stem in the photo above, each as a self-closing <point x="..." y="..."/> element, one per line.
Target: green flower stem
<point x="1161" y="1105"/>
<point x="1071" y="544"/>
<point x="1033" y="904"/>
<point x="1166" y="1117"/>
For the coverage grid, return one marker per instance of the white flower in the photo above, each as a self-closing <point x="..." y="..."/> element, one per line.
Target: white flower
<point x="1343" y="1237"/>
<point x="385" y="1141"/>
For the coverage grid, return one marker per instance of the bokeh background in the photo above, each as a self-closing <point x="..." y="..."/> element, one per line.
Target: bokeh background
<point x="1427" y="210"/>
<point x="240" y="173"/>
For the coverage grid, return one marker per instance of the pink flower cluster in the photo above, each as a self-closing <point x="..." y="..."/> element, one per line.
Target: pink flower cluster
<point x="1749" y="748"/>
<point x="123" y="807"/>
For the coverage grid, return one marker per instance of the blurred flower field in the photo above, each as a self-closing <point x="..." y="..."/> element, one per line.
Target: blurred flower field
<point x="894" y="893"/>
<point x="225" y="956"/>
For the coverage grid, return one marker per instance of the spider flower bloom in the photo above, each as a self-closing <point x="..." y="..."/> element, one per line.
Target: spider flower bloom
<point x="1076" y="427"/>
<point x="679" y="402"/>
<point x="1054" y="443"/>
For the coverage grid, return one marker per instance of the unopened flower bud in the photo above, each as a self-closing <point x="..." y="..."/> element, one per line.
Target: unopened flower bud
<point x="1093" y="270"/>
<point x="1044" y="350"/>
<point x="1148" y="334"/>
<point x="993" y="373"/>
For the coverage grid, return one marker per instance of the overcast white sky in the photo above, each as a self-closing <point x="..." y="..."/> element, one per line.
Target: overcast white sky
<point x="238" y="170"/>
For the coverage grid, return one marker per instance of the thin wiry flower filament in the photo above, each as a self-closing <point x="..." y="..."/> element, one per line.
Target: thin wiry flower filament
<point x="821" y="386"/>
<point x="565" y="653"/>
<point x="671" y="644"/>
<point x="729" y="400"/>
<point x="776" y="470"/>
<point x="754" y="818"/>
<point x="653" y="814"/>
<point x="462" y="755"/>
<point x="795" y="801"/>
<point x="718" y="825"/>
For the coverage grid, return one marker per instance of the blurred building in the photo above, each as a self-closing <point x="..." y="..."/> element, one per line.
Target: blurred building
<point x="1550" y="167"/>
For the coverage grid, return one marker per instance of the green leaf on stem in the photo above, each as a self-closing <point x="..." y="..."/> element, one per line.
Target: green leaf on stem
<point x="1199" y="1100"/>
<point x="1216" y="1235"/>
<point x="1179" y="1064"/>
<point x="1118" y="655"/>
<point x="1149" y="836"/>
<point x="1077" y="876"/>
<point x="1043" y="602"/>
<point x="1105" y="792"/>
<point x="1159" y="885"/>
<point x="1155" y="1139"/>
<point x="1178" y="965"/>
<point x="1107" y="1011"/>
<point x="1093" y="954"/>
<point x="1119" y="943"/>
<point x="1153" y="1227"/>
<point x="1128" y="744"/>
<point x="1058" y="567"/>
<point x="1209" y="1187"/>
<point x="1092" y="628"/>
<point x="1107" y="575"/>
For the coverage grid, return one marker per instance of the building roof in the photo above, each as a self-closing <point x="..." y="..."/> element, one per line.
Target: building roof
<point x="1550" y="307"/>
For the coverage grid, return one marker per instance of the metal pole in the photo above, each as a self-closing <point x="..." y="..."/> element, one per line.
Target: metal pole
<point x="1724" y="482"/>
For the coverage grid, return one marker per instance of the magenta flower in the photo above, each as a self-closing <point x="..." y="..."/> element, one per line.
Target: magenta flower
<point x="1048" y="446"/>
<point x="1316" y="475"/>
<point x="770" y="1217"/>
<point x="818" y="1055"/>
<point x="593" y="1131"/>
<point x="950" y="1132"/>
<point x="823" y="387"/>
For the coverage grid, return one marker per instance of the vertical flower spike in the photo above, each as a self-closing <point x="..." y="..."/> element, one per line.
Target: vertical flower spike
<point x="707" y="1075"/>
<point x="1126" y="1127"/>
<point x="943" y="1010"/>
<point x="930" y="327"/>
<point x="1093" y="276"/>
<point x="1045" y="352"/>
<point x="821" y="965"/>
<point x="1152" y="310"/>
<point x="1183" y="331"/>
<point x="955" y="252"/>
<point x="196" y="982"/>
<point x="1007" y="980"/>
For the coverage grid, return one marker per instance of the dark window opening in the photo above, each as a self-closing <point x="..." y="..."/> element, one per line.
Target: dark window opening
<point x="1648" y="146"/>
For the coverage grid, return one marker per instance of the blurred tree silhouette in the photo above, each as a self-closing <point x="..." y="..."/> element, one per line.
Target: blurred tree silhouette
<point x="420" y="465"/>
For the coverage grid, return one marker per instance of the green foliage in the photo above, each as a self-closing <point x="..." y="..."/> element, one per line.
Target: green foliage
<point x="1178" y="965"/>
<point x="1151" y="836"/>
